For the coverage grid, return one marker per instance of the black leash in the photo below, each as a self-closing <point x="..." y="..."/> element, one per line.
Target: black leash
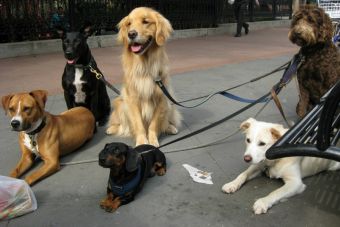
<point x="219" y="121"/>
<point x="222" y="92"/>
<point x="292" y="68"/>
<point x="101" y="77"/>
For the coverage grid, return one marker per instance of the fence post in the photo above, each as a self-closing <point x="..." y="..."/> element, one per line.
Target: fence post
<point x="71" y="13"/>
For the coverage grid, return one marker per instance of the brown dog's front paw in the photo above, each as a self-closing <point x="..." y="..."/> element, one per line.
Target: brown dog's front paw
<point x="159" y="169"/>
<point x="29" y="180"/>
<point x="14" y="173"/>
<point x="110" y="205"/>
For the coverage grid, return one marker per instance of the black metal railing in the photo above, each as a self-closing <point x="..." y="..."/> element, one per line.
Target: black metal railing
<point x="37" y="19"/>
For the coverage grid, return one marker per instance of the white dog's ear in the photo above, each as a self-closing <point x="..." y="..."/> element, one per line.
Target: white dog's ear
<point x="163" y="29"/>
<point x="121" y="37"/>
<point x="276" y="133"/>
<point x="246" y="124"/>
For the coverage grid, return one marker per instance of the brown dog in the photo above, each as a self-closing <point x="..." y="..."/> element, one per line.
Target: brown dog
<point x="142" y="111"/>
<point x="312" y="30"/>
<point x="43" y="134"/>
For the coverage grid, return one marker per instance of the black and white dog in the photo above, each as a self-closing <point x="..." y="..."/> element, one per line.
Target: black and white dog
<point x="81" y="87"/>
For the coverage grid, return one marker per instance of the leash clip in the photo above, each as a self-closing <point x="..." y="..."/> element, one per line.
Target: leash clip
<point x="98" y="75"/>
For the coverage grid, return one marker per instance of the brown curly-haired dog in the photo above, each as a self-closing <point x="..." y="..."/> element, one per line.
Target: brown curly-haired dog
<point x="312" y="30"/>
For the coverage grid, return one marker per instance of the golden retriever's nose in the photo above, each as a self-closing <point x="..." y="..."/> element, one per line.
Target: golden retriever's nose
<point x="247" y="158"/>
<point x="132" y="34"/>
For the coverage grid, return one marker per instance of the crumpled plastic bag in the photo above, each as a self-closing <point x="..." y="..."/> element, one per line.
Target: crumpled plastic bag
<point x="16" y="198"/>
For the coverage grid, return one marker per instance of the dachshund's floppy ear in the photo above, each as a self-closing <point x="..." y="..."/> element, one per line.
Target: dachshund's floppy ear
<point x="132" y="160"/>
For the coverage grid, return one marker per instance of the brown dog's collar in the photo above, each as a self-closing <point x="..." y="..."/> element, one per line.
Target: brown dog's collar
<point x="40" y="127"/>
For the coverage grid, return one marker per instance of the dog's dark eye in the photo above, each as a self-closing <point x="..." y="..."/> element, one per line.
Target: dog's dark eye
<point x="129" y="23"/>
<point x="11" y="109"/>
<point x="145" y="21"/>
<point x="248" y="140"/>
<point x="27" y="109"/>
<point x="310" y="19"/>
<point x="262" y="143"/>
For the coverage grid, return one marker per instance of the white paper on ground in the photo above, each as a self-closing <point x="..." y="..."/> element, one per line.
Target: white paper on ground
<point x="198" y="175"/>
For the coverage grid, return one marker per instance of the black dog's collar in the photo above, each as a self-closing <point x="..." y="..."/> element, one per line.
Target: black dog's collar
<point x="40" y="127"/>
<point x="122" y="189"/>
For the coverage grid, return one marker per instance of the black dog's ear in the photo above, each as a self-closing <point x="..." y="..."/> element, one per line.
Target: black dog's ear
<point x="61" y="32"/>
<point x="132" y="160"/>
<point x="86" y="30"/>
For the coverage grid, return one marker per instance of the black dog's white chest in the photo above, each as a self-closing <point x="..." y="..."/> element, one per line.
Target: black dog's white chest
<point x="79" y="95"/>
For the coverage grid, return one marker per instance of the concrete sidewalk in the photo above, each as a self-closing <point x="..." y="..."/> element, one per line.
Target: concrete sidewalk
<point x="199" y="66"/>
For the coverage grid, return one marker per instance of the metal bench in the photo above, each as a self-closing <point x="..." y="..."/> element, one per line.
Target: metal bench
<point x="316" y="134"/>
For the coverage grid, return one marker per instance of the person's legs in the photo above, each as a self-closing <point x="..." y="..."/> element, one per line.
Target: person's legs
<point x="239" y="20"/>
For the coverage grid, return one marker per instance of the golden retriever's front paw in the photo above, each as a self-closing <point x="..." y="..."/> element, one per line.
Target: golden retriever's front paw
<point x="153" y="140"/>
<point x="261" y="206"/>
<point x="141" y="140"/>
<point x="113" y="129"/>
<point x="172" y="130"/>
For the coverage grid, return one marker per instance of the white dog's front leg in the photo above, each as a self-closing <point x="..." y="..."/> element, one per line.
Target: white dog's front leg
<point x="251" y="172"/>
<point x="291" y="187"/>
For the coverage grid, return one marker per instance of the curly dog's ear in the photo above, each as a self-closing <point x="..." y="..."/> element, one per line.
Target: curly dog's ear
<point x="163" y="29"/>
<point x="132" y="160"/>
<point x="122" y="34"/>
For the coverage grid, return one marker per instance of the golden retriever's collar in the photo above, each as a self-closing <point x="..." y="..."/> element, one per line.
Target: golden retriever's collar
<point x="140" y="49"/>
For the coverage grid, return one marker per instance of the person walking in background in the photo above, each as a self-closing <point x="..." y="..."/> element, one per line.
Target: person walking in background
<point x="240" y="7"/>
<point x="59" y="19"/>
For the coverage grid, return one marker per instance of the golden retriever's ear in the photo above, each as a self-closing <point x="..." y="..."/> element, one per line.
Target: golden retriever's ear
<point x="121" y="37"/>
<point x="5" y="102"/>
<point x="246" y="124"/>
<point x="40" y="96"/>
<point x="163" y="29"/>
<point x="275" y="133"/>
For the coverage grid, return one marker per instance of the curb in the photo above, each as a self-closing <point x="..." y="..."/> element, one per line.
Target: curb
<point x="8" y="50"/>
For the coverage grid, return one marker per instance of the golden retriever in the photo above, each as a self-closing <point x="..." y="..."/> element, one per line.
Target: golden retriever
<point x="142" y="110"/>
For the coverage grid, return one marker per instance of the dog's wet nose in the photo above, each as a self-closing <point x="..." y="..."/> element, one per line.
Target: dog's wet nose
<point x="132" y="34"/>
<point x="247" y="158"/>
<point x="15" y="124"/>
<point x="68" y="53"/>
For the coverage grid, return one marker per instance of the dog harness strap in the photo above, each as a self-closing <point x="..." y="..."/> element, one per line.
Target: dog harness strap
<point x="122" y="189"/>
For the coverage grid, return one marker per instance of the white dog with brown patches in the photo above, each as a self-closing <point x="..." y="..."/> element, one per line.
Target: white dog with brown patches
<point x="260" y="136"/>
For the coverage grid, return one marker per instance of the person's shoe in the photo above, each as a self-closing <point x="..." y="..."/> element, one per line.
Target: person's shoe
<point x="246" y="29"/>
<point x="237" y="35"/>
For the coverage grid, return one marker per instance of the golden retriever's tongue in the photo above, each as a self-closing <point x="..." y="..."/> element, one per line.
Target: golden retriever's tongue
<point x="135" y="48"/>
